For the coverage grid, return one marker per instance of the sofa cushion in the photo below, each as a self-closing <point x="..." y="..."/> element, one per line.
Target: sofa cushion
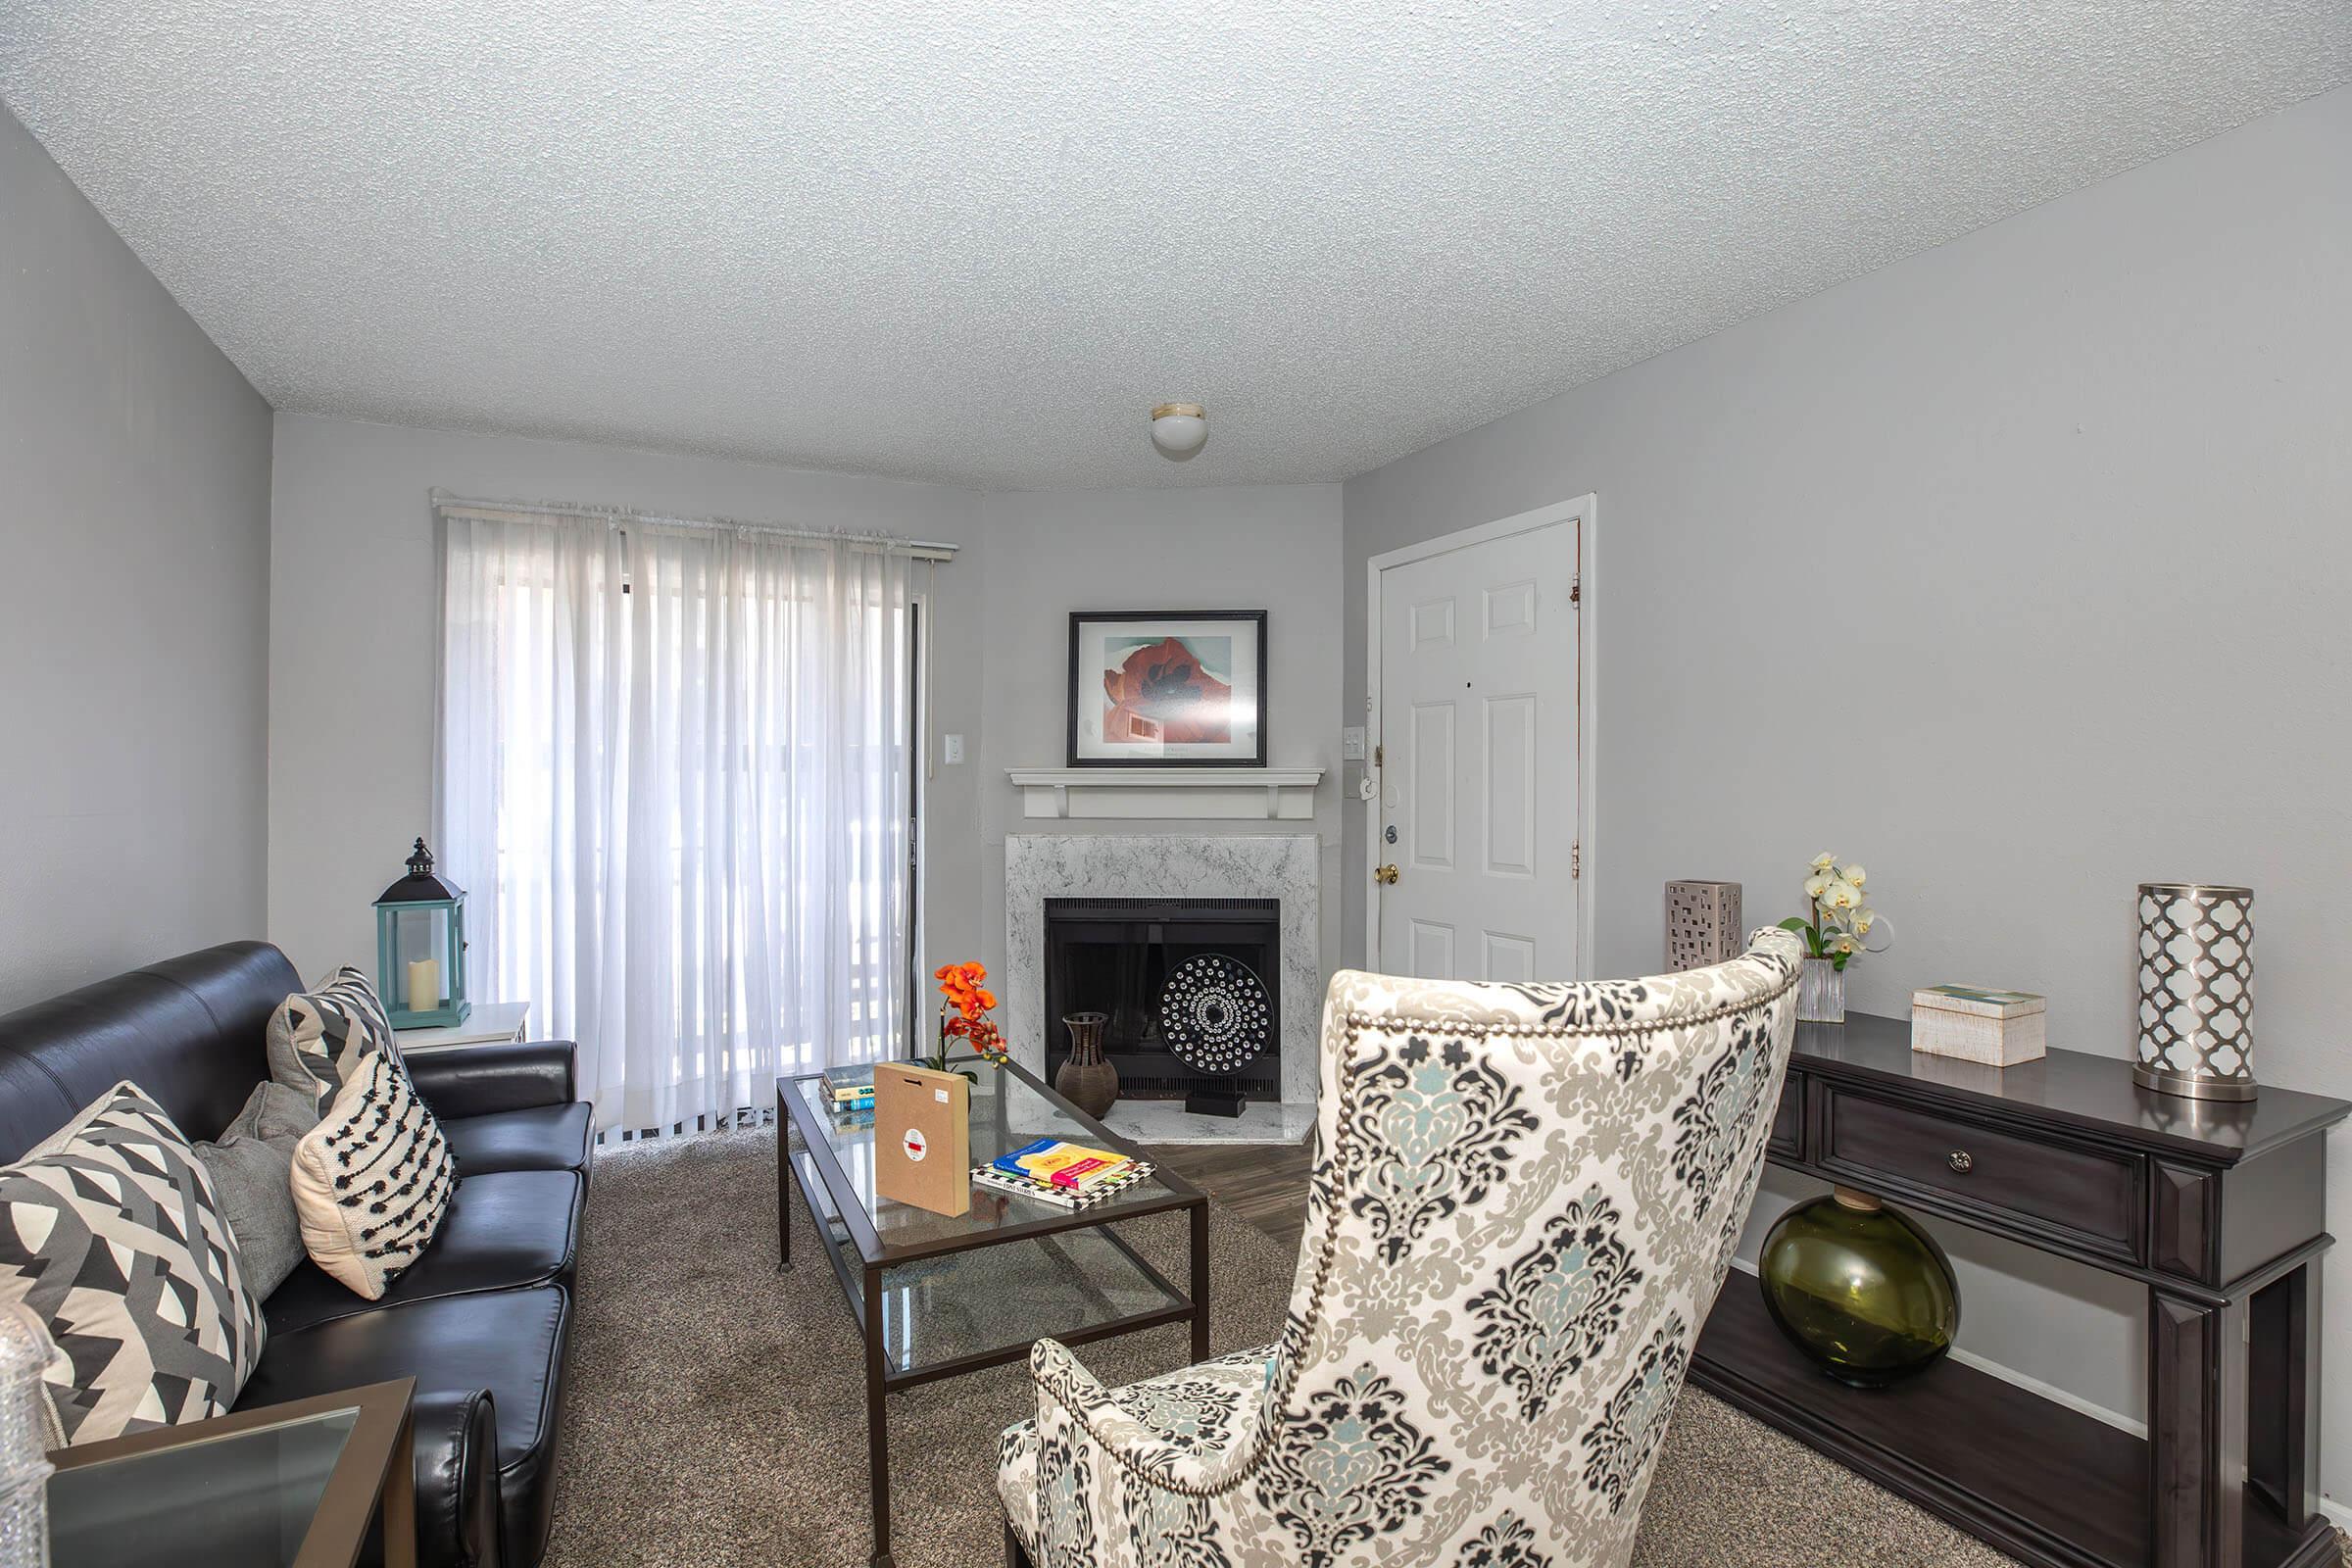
<point x="250" y="1162"/>
<point x="373" y="1179"/>
<point x="542" y="1138"/>
<point x="109" y="1231"/>
<point x="510" y="1343"/>
<point x="317" y="1037"/>
<point x="504" y="1230"/>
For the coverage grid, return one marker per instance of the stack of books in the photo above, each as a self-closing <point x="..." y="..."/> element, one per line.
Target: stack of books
<point x="1069" y="1175"/>
<point x="850" y="1095"/>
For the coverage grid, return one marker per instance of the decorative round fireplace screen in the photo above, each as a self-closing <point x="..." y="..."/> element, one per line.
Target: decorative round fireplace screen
<point x="1214" y="1013"/>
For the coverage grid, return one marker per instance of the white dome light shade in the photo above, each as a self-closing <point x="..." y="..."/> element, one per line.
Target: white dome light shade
<point x="1178" y="429"/>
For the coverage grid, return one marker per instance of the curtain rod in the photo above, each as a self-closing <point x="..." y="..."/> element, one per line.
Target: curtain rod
<point x="919" y="549"/>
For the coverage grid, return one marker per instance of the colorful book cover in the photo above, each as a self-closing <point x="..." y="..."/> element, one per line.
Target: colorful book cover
<point x="1040" y="1160"/>
<point x="1089" y="1172"/>
<point x="1010" y="1163"/>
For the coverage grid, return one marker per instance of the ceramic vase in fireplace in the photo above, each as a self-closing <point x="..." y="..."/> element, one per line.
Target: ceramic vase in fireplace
<point x="1086" y="1079"/>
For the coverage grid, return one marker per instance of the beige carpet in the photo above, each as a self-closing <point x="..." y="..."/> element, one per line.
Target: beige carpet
<point x="716" y="1413"/>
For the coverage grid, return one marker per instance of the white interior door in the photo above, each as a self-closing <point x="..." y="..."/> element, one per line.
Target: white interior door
<point x="1476" y="819"/>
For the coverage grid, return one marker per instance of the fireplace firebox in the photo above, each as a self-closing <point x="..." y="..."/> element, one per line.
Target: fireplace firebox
<point x="1112" y="955"/>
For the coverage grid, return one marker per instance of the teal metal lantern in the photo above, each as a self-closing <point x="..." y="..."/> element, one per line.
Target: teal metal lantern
<point x="421" y="948"/>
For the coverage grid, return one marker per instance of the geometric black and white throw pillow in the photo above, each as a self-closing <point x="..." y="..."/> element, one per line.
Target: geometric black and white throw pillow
<point x="373" y="1179"/>
<point x="317" y="1037"/>
<point x="109" y="1232"/>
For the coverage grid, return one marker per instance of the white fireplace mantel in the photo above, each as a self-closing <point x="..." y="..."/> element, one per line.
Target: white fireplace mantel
<point x="1266" y="794"/>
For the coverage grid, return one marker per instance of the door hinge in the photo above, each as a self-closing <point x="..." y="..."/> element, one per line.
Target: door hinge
<point x="1575" y="590"/>
<point x="1576" y="861"/>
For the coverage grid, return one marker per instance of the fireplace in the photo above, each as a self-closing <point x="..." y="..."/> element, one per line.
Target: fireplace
<point x="1112" y="955"/>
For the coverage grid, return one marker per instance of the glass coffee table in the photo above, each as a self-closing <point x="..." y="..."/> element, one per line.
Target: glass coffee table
<point x="936" y="1296"/>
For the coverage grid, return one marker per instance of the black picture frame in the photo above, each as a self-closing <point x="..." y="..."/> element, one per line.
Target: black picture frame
<point x="1249" y="625"/>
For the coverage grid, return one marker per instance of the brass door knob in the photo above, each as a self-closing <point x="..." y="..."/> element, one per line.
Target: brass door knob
<point x="1385" y="875"/>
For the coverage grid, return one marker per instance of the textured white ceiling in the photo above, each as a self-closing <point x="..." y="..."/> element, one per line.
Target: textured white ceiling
<point x="974" y="241"/>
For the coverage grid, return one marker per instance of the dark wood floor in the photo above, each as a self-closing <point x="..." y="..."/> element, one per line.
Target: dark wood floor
<point x="1262" y="1184"/>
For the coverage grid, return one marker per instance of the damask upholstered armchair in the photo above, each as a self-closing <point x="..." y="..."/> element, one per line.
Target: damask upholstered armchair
<point x="1525" y="1202"/>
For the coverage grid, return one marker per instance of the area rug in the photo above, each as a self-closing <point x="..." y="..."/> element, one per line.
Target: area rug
<point x="716" y="1413"/>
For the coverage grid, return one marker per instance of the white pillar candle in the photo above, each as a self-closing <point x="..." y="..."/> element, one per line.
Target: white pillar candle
<point x="424" y="984"/>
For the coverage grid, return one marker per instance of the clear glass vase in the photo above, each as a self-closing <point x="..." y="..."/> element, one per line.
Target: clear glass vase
<point x="1820" y="993"/>
<point x="25" y="1466"/>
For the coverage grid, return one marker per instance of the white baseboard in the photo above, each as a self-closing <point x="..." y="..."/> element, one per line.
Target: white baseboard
<point x="2336" y="1513"/>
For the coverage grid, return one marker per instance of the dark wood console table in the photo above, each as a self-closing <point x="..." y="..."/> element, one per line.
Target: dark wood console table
<point x="2220" y="1209"/>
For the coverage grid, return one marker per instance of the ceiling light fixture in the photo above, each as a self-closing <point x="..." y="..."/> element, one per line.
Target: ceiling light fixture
<point x="1178" y="429"/>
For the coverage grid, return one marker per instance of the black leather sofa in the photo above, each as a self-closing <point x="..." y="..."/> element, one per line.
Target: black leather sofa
<point x="482" y="1320"/>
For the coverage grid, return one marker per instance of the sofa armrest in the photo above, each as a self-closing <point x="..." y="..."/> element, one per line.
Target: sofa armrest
<point x="477" y="1080"/>
<point x="454" y="1440"/>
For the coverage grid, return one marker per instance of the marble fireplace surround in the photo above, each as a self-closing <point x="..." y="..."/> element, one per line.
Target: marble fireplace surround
<point x="1070" y="865"/>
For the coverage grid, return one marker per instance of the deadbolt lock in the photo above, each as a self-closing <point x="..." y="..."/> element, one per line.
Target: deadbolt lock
<point x="1385" y="875"/>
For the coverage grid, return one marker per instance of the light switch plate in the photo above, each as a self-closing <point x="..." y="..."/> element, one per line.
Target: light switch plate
<point x="952" y="748"/>
<point x="1351" y="744"/>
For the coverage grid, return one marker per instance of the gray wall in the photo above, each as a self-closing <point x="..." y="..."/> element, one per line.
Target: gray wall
<point x="1274" y="548"/>
<point x="354" y="618"/>
<point x="135" y="646"/>
<point x="355" y="622"/>
<point x="2015" y="570"/>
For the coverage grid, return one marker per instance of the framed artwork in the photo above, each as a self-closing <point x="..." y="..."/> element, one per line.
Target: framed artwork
<point x="1168" y="688"/>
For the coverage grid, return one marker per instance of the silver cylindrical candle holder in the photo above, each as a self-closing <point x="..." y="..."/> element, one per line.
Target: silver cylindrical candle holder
<point x="2196" y="990"/>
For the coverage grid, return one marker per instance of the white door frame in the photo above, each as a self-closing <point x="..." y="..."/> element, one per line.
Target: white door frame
<point x="1580" y="511"/>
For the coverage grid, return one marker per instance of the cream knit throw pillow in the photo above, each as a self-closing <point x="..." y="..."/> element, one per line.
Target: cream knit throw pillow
<point x="372" y="1179"/>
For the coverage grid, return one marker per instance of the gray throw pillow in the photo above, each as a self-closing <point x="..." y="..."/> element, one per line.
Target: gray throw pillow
<point x="251" y="1164"/>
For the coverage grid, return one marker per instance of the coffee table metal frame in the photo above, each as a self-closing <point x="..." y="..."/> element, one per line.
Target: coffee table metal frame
<point x="862" y="1275"/>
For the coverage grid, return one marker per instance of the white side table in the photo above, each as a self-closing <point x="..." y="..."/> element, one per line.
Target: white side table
<point x="490" y="1023"/>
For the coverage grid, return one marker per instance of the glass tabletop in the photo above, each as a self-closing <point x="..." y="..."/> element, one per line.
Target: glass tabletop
<point x="936" y="1311"/>
<point x="246" y="1498"/>
<point x="1008" y="1108"/>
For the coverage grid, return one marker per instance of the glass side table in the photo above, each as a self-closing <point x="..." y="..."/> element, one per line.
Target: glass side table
<point x="287" y="1485"/>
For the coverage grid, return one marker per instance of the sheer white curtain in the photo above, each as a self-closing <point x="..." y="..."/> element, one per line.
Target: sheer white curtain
<point x="675" y="777"/>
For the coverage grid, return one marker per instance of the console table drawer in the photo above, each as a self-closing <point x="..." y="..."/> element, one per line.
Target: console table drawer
<point x="2025" y="1183"/>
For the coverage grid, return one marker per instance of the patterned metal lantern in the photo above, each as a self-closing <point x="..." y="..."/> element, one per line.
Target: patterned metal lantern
<point x="421" y="948"/>
<point x="1702" y="924"/>
<point x="2196" y="991"/>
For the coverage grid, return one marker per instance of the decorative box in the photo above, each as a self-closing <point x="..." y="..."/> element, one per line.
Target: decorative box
<point x="1702" y="924"/>
<point x="2000" y="1028"/>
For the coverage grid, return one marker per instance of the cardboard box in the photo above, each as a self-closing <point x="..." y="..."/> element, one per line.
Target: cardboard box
<point x="922" y="1138"/>
<point x="2000" y="1028"/>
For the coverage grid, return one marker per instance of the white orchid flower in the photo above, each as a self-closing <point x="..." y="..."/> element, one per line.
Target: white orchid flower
<point x="1864" y="918"/>
<point x="1842" y="944"/>
<point x="1823" y="861"/>
<point x="1842" y="895"/>
<point x="1814" y="886"/>
<point x="1854" y="874"/>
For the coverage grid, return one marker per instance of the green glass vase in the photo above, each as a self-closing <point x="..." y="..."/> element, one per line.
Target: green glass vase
<point x="1859" y="1287"/>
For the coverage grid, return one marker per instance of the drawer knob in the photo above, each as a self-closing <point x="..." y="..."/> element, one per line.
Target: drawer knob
<point x="1961" y="1160"/>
